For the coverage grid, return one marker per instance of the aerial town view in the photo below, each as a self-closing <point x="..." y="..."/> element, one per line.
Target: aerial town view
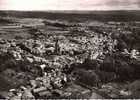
<point x="69" y="54"/>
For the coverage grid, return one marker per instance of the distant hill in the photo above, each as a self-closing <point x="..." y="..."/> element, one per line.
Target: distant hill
<point x="77" y="15"/>
<point x="5" y="21"/>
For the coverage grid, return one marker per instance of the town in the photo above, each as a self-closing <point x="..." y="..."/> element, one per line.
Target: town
<point x="54" y="59"/>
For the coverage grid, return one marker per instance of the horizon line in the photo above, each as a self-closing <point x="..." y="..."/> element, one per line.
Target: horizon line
<point x="67" y="10"/>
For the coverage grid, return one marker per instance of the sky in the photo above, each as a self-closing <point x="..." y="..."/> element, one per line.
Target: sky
<point x="69" y="5"/>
